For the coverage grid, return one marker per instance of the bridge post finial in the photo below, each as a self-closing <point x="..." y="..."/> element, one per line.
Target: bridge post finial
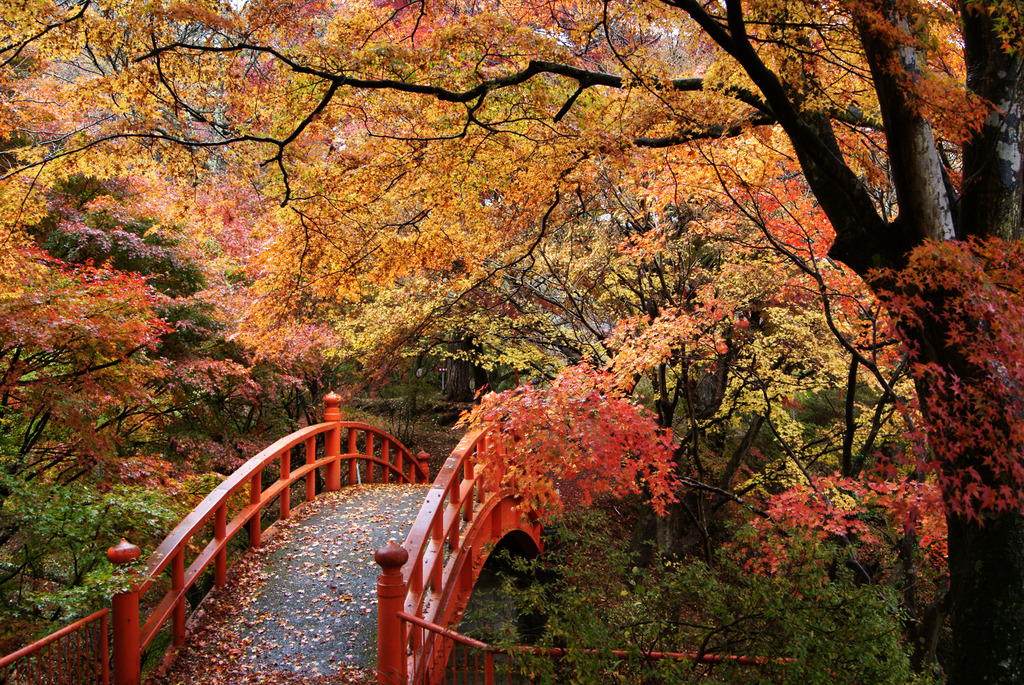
<point x="125" y="619"/>
<point x="391" y="638"/>
<point x="332" y="442"/>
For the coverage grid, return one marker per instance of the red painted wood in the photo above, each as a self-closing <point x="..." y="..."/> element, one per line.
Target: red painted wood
<point x="390" y="628"/>
<point x="178" y="587"/>
<point x="255" y="493"/>
<point x="220" y="574"/>
<point x="466" y="509"/>
<point x="99" y="661"/>
<point x="332" y="445"/>
<point x="125" y="621"/>
<point x="369" y="458"/>
<point x="285" y="506"/>
<point x="452" y="638"/>
<point x="353" y="465"/>
<point x="207" y="510"/>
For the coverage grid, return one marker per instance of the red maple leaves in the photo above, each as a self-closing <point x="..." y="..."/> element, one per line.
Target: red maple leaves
<point x="961" y="308"/>
<point x="582" y="429"/>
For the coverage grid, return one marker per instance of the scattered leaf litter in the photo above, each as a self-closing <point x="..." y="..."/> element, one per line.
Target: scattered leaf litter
<point x="303" y="607"/>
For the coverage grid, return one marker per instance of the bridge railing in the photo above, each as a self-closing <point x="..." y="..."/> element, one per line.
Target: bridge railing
<point x="472" y="660"/>
<point x="380" y="451"/>
<point x="74" y="655"/>
<point x="201" y="539"/>
<point x="466" y="511"/>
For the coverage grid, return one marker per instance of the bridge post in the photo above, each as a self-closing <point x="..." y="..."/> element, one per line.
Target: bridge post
<point x="421" y="469"/>
<point x="125" y="620"/>
<point x="391" y="662"/>
<point x="332" y="442"/>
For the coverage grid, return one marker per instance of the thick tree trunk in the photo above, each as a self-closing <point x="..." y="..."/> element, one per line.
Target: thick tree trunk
<point x="986" y="567"/>
<point x="459" y="387"/>
<point x="992" y="200"/>
<point x="986" y="549"/>
<point x="464" y="377"/>
<point x="986" y="558"/>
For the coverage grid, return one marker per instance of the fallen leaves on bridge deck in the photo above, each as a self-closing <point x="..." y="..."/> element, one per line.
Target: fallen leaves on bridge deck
<point x="302" y="608"/>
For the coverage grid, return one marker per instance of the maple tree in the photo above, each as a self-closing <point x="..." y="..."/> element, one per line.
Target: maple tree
<point x="120" y="398"/>
<point x="423" y="150"/>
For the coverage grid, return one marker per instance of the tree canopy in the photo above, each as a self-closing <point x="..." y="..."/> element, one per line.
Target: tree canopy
<point x="788" y="230"/>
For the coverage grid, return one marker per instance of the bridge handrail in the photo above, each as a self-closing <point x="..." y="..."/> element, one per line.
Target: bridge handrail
<point x="450" y="501"/>
<point x="171" y="552"/>
<point x="97" y="667"/>
<point x="467" y="507"/>
<point x="556" y="652"/>
<point x="217" y="497"/>
<point x="129" y="639"/>
<point x="195" y="519"/>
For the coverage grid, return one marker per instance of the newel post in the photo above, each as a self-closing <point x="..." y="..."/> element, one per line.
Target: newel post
<point x="422" y="474"/>
<point x="332" y="442"/>
<point x="125" y="620"/>
<point x="391" y="664"/>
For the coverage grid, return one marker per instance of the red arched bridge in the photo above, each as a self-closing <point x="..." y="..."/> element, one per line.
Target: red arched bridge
<point x="423" y="587"/>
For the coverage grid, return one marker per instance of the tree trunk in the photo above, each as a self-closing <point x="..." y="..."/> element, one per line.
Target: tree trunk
<point x="465" y="377"/>
<point x="459" y="387"/>
<point x="986" y="568"/>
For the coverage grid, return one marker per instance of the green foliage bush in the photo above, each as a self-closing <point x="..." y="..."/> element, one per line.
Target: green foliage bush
<point x="64" y="531"/>
<point x="811" y="622"/>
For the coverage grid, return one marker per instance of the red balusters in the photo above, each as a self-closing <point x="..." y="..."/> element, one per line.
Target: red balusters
<point x="286" y="472"/>
<point x="488" y="668"/>
<point x="125" y="620"/>
<point x="437" y="535"/>
<point x="369" y="457"/>
<point x="466" y="574"/>
<point x="220" y="564"/>
<point x="353" y="465"/>
<point x="255" y="493"/>
<point x="332" y="448"/>
<point x="468" y="500"/>
<point x="488" y="443"/>
<point x="437" y="526"/>
<point x="178" y="588"/>
<point x="170" y="557"/>
<point x="453" y="534"/>
<point x="401" y="468"/>
<point x="104" y="652"/>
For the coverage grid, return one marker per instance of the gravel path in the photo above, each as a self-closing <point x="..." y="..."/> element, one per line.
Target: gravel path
<point x="318" y="606"/>
<point x="303" y="607"/>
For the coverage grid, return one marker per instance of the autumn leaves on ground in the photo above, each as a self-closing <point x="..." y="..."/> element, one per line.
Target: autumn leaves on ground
<point x="746" y="274"/>
<point x="303" y="607"/>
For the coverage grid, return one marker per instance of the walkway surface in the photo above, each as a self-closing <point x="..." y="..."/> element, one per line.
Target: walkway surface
<point x="302" y="608"/>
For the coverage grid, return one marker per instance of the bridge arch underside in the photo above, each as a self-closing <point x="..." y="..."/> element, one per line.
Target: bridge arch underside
<point x="488" y="607"/>
<point x="517" y="543"/>
<point x="498" y="523"/>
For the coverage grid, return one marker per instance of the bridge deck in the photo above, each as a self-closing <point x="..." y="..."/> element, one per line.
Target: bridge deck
<point x="302" y="608"/>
